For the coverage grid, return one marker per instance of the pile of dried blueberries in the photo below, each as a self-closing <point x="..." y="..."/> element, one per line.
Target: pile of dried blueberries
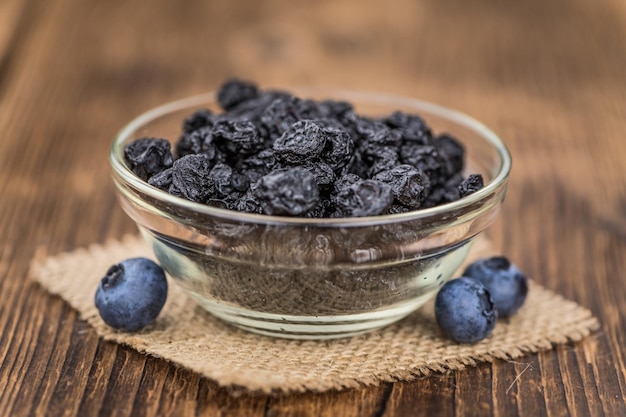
<point x="270" y="152"/>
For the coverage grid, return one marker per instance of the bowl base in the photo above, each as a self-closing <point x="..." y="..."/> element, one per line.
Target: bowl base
<point x="310" y="327"/>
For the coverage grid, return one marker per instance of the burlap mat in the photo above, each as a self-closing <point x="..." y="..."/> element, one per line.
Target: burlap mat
<point x="186" y="335"/>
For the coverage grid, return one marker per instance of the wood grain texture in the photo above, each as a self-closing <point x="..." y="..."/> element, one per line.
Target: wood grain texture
<point x="547" y="76"/>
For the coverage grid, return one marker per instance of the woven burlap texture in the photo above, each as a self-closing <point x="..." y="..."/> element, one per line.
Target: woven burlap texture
<point x="414" y="347"/>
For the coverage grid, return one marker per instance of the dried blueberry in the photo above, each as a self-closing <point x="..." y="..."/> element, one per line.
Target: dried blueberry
<point x="411" y="128"/>
<point x="303" y="141"/>
<point x="445" y="193"/>
<point x="148" y="156"/>
<point x="376" y="132"/>
<point x="363" y="198"/>
<point x="256" y="166"/>
<point x="338" y="148"/>
<point x="234" y="92"/>
<point x="427" y="159"/>
<point x="131" y="294"/>
<point x="408" y="184"/>
<point x="383" y="158"/>
<point x="237" y="137"/>
<point x="191" y="179"/>
<point x="323" y="173"/>
<point x="465" y="311"/>
<point x="227" y="181"/>
<point x="470" y="185"/>
<point x="162" y="180"/>
<point x="358" y="165"/>
<point x="282" y="113"/>
<point x="200" y="118"/>
<point x="287" y="191"/>
<point x="334" y="109"/>
<point x="507" y="285"/>
<point x="346" y="181"/>
<point x="452" y="151"/>
<point x="248" y="203"/>
<point x="198" y="141"/>
<point x="254" y="109"/>
<point x="322" y="209"/>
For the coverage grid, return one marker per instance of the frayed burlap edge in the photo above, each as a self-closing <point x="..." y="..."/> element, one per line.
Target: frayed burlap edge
<point x="414" y="347"/>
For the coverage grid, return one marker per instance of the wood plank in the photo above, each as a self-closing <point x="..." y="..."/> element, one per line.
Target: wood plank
<point x="470" y="395"/>
<point x="351" y="403"/>
<point x="11" y="14"/>
<point x="432" y="396"/>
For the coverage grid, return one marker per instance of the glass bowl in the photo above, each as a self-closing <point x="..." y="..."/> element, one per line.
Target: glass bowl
<point x="312" y="278"/>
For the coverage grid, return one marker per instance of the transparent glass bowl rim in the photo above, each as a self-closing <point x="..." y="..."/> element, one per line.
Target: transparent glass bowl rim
<point x="116" y="158"/>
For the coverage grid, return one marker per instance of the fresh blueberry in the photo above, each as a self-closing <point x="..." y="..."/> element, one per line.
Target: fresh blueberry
<point x="464" y="310"/>
<point x="507" y="285"/>
<point x="131" y="294"/>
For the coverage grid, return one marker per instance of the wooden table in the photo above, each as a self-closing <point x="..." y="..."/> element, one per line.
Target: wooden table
<point x="549" y="77"/>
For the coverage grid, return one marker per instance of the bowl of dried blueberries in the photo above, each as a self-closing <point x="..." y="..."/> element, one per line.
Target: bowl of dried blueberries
<point x="308" y="213"/>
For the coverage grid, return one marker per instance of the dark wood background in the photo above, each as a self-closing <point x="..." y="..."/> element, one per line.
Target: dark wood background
<point x="549" y="77"/>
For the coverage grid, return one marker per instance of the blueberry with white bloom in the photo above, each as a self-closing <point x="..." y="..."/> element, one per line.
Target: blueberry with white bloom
<point x="507" y="285"/>
<point x="131" y="294"/>
<point x="464" y="310"/>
